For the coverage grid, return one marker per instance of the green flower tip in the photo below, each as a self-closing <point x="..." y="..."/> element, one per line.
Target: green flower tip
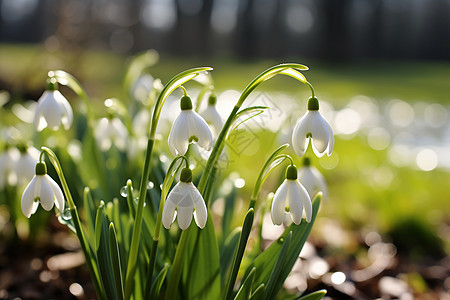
<point x="52" y="84"/>
<point x="186" y="175"/>
<point x="306" y="161"/>
<point x="313" y="103"/>
<point x="212" y="100"/>
<point x="185" y="103"/>
<point x="41" y="168"/>
<point x="291" y="172"/>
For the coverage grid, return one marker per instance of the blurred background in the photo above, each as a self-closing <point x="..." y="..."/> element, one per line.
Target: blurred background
<point x="381" y="69"/>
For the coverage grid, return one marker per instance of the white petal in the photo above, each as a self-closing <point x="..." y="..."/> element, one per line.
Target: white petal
<point x="321" y="183"/>
<point x="67" y="117"/>
<point x="27" y="200"/>
<point x="299" y="138"/>
<point x="168" y="214"/>
<point x="330" y="137"/>
<point x="295" y="202"/>
<point x="39" y="121"/>
<point x="306" y="201"/>
<point x="320" y="136"/>
<point x="200" y="214"/>
<point x="58" y="194"/>
<point x="212" y="117"/>
<point x="279" y="204"/>
<point x="46" y="196"/>
<point x="184" y="215"/>
<point x="52" y="111"/>
<point x="200" y="129"/>
<point x="179" y="135"/>
<point x="308" y="180"/>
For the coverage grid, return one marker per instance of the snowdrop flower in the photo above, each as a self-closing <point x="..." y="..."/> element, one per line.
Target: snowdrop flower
<point x="142" y="87"/>
<point x="111" y="130"/>
<point x="212" y="116"/>
<point x="189" y="127"/>
<point x="313" y="126"/>
<point x="25" y="165"/>
<point x="312" y="179"/>
<point x="7" y="161"/>
<point x="44" y="189"/>
<point x="182" y="200"/>
<point x="52" y="110"/>
<point x="291" y="198"/>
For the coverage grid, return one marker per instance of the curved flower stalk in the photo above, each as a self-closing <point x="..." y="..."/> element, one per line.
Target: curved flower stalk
<point x="291" y="198"/>
<point x="312" y="126"/>
<point x="43" y="189"/>
<point x="312" y="179"/>
<point x="189" y="127"/>
<point x="182" y="200"/>
<point x="53" y="109"/>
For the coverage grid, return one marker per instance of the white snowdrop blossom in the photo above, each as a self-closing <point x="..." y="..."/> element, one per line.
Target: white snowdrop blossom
<point x="291" y="198"/>
<point x="8" y="160"/>
<point x="52" y="110"/>
<point x="111" y="131"/>
<point x="42" y="188"/>
<point x="212" y="116"/>
<point x="313" y="126"/>
<point x="183" y="201"/>
<point x="189" y="127"/>
<point x="25" y="165"/>
<point x="312" y="180"/>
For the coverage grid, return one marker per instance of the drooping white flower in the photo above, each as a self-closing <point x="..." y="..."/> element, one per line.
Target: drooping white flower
<point x="42" y="188"/>
<point x="111" y="131"/>
<point x="291" y="198"/>
<point x="25" y="165"/>
<point x="212" y="116"/>
<point x="189" y="127"/>
<point x="183" y="201"/>
<point x="8" y="160"/>
<point x="52" y="110"/>
<point x="313" y="126"/>
<point x="312" y="179"/>
<point x="142" y="87"/>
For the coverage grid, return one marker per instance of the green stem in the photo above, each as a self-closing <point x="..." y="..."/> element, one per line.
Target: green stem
<point x="175" y="274"/>
<point x="90" y="257"/>
<point x="148" y="285"/>
<point x="132" y="258"/>
<point x="239" y="252"/>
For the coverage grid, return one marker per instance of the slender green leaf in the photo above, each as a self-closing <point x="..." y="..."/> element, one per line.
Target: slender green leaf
<point x="115" y="260"/>
<point x="248" y="113"/>
<point x="103" y="254"/>
<point x="246" y="287"/>
<point x="258" y="292"/>
<point x="227" y="251"/>
<point x="157" y="284"/>
<point x="275" y="276"/>
<point x="317" y="295"/>
<point x="202" y="270"/>
<point x="266" y="261"/>
<point x="89" y="210"/>
<point x="239" y="253"/>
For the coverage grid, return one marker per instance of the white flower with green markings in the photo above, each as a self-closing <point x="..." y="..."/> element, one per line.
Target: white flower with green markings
<point x="43" y="189"/>
<point x="312" y="126"/>
<point x="189" y="127"/>
<point x="291" y="198"/>
<point x="312" y="179"/>
<point x="183" y="201"/>
<point x="52" y="110"/>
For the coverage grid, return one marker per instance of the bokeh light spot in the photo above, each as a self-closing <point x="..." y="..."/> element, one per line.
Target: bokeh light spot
<point x="338" y="278"/>
<point x="379" y="138"/>
<point x="427" y="160"/>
